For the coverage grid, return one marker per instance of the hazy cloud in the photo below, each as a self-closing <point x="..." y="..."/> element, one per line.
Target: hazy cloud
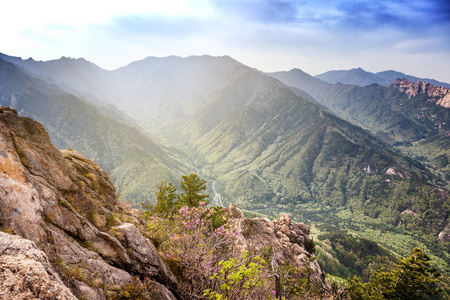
<point x="139" y="25"/>
<point x="267" y="11"/>
<point x="267" y="34"/>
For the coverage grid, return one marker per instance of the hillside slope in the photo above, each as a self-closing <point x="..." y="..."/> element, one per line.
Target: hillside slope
<point x="64" y="233"/>
<point x="387" y="111"/>
<point x="72" y="123"/>
<point x="282" y="151"/>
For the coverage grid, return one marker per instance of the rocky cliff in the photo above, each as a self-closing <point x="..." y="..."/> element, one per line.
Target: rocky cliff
<point x="438" y="94"/>
<point x="290" y="243"/>
<point x="65" y="206"/>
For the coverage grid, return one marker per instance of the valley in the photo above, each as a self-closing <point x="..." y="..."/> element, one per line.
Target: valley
<point x="355" y="158"/>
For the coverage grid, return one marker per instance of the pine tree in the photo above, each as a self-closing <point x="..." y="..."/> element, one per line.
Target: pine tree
<point x="412" y="278"/>
<point x="192" y="187"/>
<point x="166" y="196"/>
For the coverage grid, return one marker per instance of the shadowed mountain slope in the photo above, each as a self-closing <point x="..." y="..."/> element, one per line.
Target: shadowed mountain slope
<point x="387" y="111"/>
<point x="72" y="123"/>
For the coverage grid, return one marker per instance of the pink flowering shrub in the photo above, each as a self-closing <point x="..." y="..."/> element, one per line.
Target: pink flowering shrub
<point x="191" y="245"/>
<point x="128" y="206"/>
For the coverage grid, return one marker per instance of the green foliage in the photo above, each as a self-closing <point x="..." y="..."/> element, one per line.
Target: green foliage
<point x="239" y="278"/>
<point x="296" y="282"/>
<point x="192" y="246"/>
<point x="138" y="290"/>
<point x="192" y="187"/>
<point x="412" y="278"/>
<point x="165" y="197"/>
<point x="357" y="256"/>
<point x="218" y="218"/>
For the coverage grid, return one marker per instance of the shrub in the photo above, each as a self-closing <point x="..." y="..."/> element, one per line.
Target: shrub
<point x="246" y="278"/>
<point x="191" y="246"/>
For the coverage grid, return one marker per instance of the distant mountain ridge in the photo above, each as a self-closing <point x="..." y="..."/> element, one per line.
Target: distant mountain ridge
<point x="355" y="76"/>
<point x="387" y="111"/>
<point x="361" y="77"/>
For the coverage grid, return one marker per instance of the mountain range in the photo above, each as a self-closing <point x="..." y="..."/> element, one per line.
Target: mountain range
<point x="340" y="154"/>
<point x="361" y="77"/>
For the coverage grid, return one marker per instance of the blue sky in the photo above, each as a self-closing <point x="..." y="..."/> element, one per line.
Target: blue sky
<point x="316" y="36"/>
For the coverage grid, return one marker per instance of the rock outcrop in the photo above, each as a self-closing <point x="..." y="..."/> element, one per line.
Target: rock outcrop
<point x="290" y="242"/>
<point x="438" y="94"/>
<point x="67" y="206"/>
<point x="25" y="272"/>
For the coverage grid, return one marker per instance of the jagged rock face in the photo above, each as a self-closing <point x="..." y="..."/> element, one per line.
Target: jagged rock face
<point x="25" y="272"/>
<point x="67" y="206"/>
<point x="290" y="242"/>
<point x="438" y="94"/>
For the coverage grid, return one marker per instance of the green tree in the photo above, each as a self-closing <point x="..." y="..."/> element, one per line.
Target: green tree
<point x="412" y="278"/>
<point x="192" y="187"/>
<point x="166" y="197"/>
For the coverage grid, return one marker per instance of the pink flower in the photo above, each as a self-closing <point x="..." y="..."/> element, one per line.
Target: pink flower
<point x="273" y="292"/>
<point x="168" y="255"/>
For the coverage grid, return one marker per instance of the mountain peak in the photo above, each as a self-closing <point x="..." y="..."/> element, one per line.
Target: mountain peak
<point x="356" y="76"/>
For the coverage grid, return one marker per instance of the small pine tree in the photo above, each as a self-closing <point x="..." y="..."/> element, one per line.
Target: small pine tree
<point x="192" y="187"/>
<point x="166" y="196"/>
<point x="412" y="278"/>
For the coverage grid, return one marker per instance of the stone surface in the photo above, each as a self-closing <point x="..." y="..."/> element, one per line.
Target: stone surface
<point x="67" y="205"/>
<point x="438" y="94"/>
<point x="25" y="272"/>
<point x="291" y="242"/>
<point x="144" y="252"/>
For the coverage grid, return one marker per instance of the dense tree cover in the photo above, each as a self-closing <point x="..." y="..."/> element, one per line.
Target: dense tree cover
<point x="354" y="255"/>
<point x="412" y="278"/>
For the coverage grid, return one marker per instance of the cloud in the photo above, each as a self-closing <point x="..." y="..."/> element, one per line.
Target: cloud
<point x="267" y="11"/>
<point x="267" y="34"/>
<point x="151" y="25"/>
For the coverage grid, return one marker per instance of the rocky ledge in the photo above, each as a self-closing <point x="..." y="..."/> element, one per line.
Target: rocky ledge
<point x="65" y="208"/>
<point x="290" y="242"/>
<point x="437" y="94"/>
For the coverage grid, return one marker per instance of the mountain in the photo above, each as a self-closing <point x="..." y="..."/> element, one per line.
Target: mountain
<point x="283" y="151"/>
<point x="391" y="76"/>
<point x="163" y="95"/>
<point x="354" y="76"/>
<point x="437" y="95"/>
<point x="72" y="123"/>
<point x="272" y="150"/>
<point x="387" y="111"/>
<point x="360" y="77"/>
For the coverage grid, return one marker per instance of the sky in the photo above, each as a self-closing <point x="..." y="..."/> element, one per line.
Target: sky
<point x="411" y="36"/>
